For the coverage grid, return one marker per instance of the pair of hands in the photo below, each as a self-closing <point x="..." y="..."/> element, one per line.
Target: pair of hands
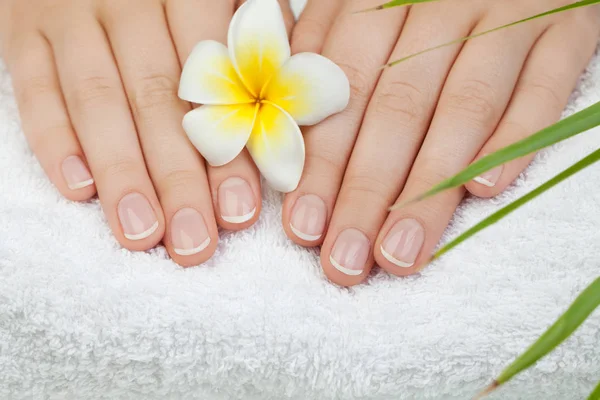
<point x="96" y="83"/>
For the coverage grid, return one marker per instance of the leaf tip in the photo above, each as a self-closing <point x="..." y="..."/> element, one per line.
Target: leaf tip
<point x="369" y="10"/>
<point x="493" y="386"/>
<point x="405" y="203"/>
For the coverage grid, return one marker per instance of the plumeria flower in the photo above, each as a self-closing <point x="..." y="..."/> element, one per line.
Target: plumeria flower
<point x="255" y="94"/>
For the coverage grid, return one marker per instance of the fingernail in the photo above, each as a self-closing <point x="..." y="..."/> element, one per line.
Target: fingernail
<point x="137" y="217"/>
<point x="76" y="173"/>
<point x="403" y="243"/>
<point x="350" y="252"/>
<point x="189" y="234"/>
<point x="236" y="201"/>
<point x="489" y="178"/>
<point x="308" y="218"/>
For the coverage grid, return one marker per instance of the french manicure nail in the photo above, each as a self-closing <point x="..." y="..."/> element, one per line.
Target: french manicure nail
<point x="189" y="234"/>
<point x="489" y="178"/>
<point x="76" y="173"/>
<point x="236" y="201"/>
<point x="403" y="243"/>
<point x="350" y="252"/>
<point x="308" y="218"/>
<point x="137" y="217"/>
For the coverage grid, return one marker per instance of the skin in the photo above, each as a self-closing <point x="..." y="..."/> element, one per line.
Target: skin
<point x="98" y="79"/>
<point x="413" y="125"/>
<point x="406" y="128"/>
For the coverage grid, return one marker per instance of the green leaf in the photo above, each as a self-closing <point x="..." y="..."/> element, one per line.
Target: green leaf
<point x="595" y="395"/>
<point x="396" y="3"/>
<point x="571" y="126"/>
<point x="579" y="310"/>
<point x="578" y="4"/>
<point x="503" y="212"/>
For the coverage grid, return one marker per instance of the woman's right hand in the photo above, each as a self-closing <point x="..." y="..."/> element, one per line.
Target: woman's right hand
<point x="96" y="85"/>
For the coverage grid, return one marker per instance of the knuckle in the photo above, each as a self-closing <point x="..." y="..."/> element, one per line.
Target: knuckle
<point x="314" y="26"/>
<point x="153" y="92"/>
<point x="43" y="141"/>
<point x="119" y="166"/>
<point x="324" y="166"/>
<point x="32" y="88"/>
<point x="402" y="100"/>
<point x="516" y="128"/>
<point x="93" y="91"/>
<point x="435" y="170"/>
<point x="543" y="88"/>
<point x="369" y="186"/>
<point x="359" y="82"/>
<point x="326" y="160"/>
<point x="178" y="181"/>
<point x="474" y="100"/>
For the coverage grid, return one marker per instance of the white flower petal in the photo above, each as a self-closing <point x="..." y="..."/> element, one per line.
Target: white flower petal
<point x="220" y="132"/>
<point x="277" y="147"/>
<point x="258" y="42"/>
<point x="310" y="88"/>
<point x="208" y="77"/>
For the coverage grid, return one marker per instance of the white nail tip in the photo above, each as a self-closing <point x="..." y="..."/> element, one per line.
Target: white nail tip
<point x="196" y="250"/>
<point x="352" y="272"/>
<point x="239" y="219"/>
<point x="304" y="236"/>
<point x="144" y="234"/>
<point x="484" y="181"/>
<point x="394" y="260"/>
<point x="81" y="185"/>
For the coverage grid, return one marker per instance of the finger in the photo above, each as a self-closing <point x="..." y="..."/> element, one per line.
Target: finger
<point x="313" y="25"/>
<point x="395" y="123"/>
<point x="472" y="102"/>
<point x="45" y="121"/>
<point x="235" y="186"/>
<point x="328" y="144"/>
<point x="288" y="15"/>
<point x="548" y="78"/>
<point x="150" y="71"/>
<point x="100" y="114"/>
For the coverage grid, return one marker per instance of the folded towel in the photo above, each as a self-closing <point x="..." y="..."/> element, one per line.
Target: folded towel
<point x="82" y="318"/>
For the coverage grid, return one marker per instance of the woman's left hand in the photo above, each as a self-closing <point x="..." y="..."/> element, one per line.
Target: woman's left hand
<point x="413" y="125"/>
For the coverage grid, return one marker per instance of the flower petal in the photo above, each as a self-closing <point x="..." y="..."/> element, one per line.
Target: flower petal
<point x="208" y="77"/>
<point x="277" y="147"/>
<point x="258" y="42"/>
<point x="310" y="88"/>
<point x="220" y="132"/>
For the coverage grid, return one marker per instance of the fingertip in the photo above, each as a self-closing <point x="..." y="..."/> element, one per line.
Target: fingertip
<point x="79" y="194"/>
<point x="346" y="257"/>
<point x="238" y="198"/>
<point x="394" y="266"/>
<point x="400" y="246"/>
<point x="304" y="219"/>
<point x="483" y="189"/>
<point x="197" y="256"/>
<point x="240" y="222"/>
<point x="144" y="241"/>
<point x="339" y="274"/>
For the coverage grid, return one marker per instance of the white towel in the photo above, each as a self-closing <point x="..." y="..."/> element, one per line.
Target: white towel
<point x="81" y="318"/>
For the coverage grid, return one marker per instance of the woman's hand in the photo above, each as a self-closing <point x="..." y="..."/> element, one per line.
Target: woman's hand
<point x="96" y="84"/>
<point x="415" y="124"/>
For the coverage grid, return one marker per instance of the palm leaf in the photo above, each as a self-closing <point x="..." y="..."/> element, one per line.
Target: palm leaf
<point x="503" y="212"/>
<point x="578" y="4"/>
<point x="595" y="395"/>
<point x="579" y="310"/>
<point x="571" y="126"/>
